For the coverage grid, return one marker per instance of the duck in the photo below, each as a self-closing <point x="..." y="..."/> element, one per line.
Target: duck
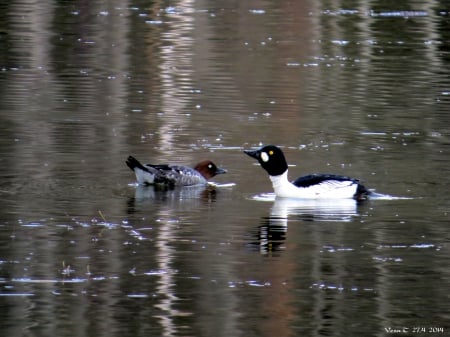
<point x="173" y="175"/>
<point x="312" y="186"/>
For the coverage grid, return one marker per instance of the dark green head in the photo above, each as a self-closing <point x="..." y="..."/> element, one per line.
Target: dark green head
<point x="271" y="159"/>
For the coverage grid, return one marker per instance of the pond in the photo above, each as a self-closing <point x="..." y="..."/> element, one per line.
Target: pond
<point x="360" y="89"/>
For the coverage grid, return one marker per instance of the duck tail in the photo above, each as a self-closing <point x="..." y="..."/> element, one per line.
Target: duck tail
<point x="132" y="163"/>
<point x="362" y="193"/>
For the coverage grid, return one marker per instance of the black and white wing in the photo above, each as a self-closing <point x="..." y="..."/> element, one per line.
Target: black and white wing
<point x="328" y="183"/>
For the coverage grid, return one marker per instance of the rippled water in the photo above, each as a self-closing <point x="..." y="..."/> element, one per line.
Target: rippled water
<point x="361" y="89"/>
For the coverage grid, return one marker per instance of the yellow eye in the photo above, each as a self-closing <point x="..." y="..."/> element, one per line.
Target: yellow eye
<point x="271" y="152"/>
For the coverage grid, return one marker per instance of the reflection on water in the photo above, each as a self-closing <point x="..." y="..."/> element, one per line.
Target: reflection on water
<point x="359" y="89"/>
<point x="271" y="235"/>
<point x="165" y="255"/>
<point x="173" y="195"/>
<point x="176" y="71"/>
<point x="310" y="209"/>
<point x="273" y="230"/>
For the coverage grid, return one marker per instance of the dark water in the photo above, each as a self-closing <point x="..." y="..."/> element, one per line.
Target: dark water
<point x="354" y="88"/>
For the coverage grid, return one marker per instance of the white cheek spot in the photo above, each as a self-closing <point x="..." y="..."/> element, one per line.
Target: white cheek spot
<point x="264" y="157"/>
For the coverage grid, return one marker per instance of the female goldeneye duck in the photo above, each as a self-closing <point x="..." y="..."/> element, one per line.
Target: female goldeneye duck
<point x="313" y="186"/>
<point x="173" y="175"/>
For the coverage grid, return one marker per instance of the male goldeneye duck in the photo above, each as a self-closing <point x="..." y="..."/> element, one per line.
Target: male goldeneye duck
<point x="313" y="186"/>
<point x="173" y="175"/>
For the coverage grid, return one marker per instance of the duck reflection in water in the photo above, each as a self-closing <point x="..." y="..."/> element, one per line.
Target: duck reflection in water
<point x="156" y="192"/>
<point x="272" y="232"/>
<point x="178" y="198"/>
